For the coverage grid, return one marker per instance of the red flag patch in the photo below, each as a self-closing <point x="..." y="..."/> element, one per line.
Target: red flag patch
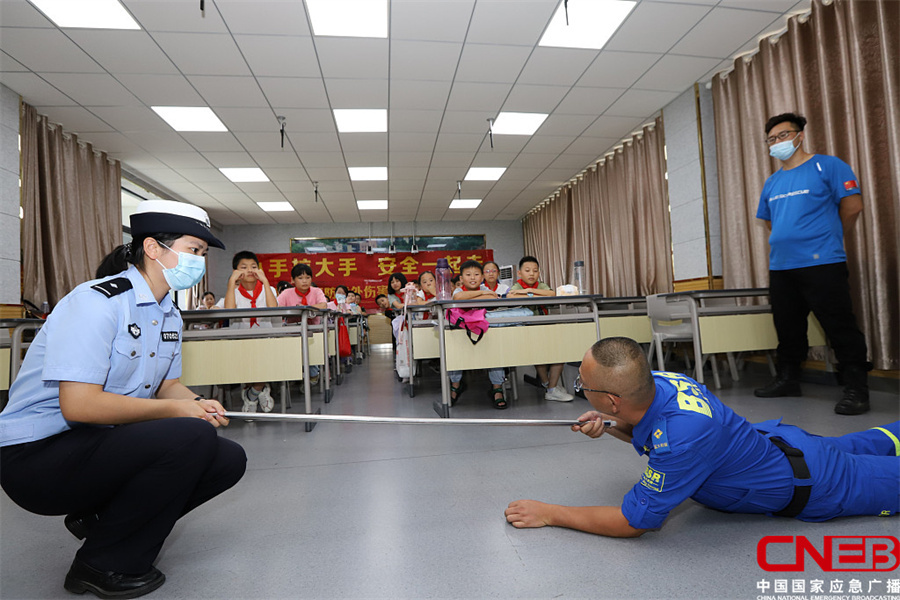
<point x="850" y="185"/>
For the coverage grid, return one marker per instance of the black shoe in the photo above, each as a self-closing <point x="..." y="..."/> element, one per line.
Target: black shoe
<point x="80" y="525"/>
<point x="779" y="387"/>
<point x="854" y="402"/>
<point x="83" y="578"/>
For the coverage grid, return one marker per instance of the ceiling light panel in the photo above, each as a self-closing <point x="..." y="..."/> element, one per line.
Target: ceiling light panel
<point x="276" y="206"/>
<point x="349" y="18"/>
<point x="590" y="23"/>
<point x="352" y="120"/>
<point x="90" y="14"/>
<point x="485" y="173"/>
<point x="368" y="173"/>
<point x="190" y="118"/>
<point x="465" y="203"/>
<point x="517" y="123"/>
<point x="372" y="204"/>
<point x="244" y="174"/>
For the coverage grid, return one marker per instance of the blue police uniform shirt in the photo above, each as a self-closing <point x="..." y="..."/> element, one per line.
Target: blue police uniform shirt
<point x="126" y="342"/>
<point x="802" y="204"/>
<point x="699" y="448"/>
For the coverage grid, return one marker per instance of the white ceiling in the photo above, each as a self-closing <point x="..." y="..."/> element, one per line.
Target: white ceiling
<point x="447" y="66"/>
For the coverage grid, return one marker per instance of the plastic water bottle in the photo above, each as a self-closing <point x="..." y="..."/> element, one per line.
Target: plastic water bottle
<point x="443" y="274"/>
<point x="578" y="277"/>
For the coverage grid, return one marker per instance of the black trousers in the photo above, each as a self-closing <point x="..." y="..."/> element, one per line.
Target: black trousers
<point x="139" y="478"/>
<point x="824" y="290"/>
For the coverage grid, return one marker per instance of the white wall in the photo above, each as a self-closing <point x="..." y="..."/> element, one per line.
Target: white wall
<point x="685" y="185"/>
<point x="503" y="237"/>
<point x="10" y="225"/>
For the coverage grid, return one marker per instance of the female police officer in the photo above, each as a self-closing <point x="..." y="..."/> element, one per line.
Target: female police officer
<point x="98" y="426"/>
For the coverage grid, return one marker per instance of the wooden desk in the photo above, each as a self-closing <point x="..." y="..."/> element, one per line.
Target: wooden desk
<point x="221" y="356"/>
<point x="11" y="353"/>
<point x="541" y="339"/>
<point x="726" y="328"/>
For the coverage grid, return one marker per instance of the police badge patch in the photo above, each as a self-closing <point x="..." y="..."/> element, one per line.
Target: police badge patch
<point x="134" y="330"/>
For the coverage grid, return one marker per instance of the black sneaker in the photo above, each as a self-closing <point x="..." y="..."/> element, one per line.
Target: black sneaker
<point x="83" y="578"/>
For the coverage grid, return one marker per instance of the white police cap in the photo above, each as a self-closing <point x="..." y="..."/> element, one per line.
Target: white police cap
<point x="168" y="216"/>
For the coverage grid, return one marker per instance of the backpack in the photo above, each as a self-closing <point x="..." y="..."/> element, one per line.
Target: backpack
<point x="473" y="320"/>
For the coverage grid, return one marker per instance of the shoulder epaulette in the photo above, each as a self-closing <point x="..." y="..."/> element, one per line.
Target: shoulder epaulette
<point x="113" y="287"/>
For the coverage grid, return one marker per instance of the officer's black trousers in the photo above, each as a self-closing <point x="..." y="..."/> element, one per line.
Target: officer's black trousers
<point x="139" y="478"/>
<point x="824" y="290"/>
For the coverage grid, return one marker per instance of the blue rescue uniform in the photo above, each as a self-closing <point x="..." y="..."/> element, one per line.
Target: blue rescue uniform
<point x="699" y="448"/>
<point x="138" y="478"/>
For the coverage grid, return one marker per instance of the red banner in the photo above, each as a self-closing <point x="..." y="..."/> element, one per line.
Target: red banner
<point x="365" y="273"/>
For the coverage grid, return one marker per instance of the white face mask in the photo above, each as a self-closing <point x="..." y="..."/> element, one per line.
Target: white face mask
<point x="782" y="150"/>
<point x="187" y="273"/>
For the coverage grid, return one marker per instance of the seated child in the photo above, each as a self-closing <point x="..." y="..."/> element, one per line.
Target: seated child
<point x="492" y="279"/>
<point x="248" y="287"/>
<point x="529" y="285"/>
<point x="303" y="294"/>
<point x="471" y="276"/>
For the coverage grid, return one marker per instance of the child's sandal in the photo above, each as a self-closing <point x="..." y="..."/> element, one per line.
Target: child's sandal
<point x="499" y="403"/>
<point x="456" y="392"/>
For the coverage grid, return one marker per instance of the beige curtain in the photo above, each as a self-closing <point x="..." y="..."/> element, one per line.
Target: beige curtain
<point x="841" y="70"/>
<point x="72" y="207"/>
<point x="615" y="218"/>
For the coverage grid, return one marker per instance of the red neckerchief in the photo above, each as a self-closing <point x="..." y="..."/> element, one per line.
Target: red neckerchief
<point x="303" y="297"/>
<point x="525" y="286"/>
<point x="257" y="290"/>
<point x="496" y="285"/>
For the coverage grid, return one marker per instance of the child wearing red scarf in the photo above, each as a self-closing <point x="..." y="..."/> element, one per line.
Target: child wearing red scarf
<point x="303" y="293"/>
<point x="527" y="286"/>
<point x="248" y="287"/>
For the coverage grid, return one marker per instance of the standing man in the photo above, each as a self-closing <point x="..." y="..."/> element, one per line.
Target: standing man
<point x="808" y="205"/>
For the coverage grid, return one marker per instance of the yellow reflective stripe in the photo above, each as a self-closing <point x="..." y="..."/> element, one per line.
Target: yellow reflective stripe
<point x="893" y="438"/>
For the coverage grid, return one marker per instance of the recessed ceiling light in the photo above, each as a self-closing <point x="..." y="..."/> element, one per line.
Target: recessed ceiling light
<point x="368" y="173"/>
<point x="465" y="203"/>
<point x="190" y="118"/>
<point x="591" y="23"/>
<point x="485" y="173"/>
<point x="244" y="175"/>
<point x="362" y="120"/>
<point x="437" y="245"/>
<point x="92" y="14"/>
<point x="372" y="204"/>
<point x="349" y="18"/>
<point x="516" y="123"/>
<point x="276" y="206"/>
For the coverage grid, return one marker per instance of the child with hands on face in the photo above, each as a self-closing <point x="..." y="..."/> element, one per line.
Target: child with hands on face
<point x="248" y="287"/>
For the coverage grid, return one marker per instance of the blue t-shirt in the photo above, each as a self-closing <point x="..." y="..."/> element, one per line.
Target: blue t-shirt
<point x="802" y="205"/>
<point x="699" y="448"/>
<point x="127" y="342"/>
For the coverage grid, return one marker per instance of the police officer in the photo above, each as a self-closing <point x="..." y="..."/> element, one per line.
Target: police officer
<point x="699" y="448"/>
<point x="98" y="426"/>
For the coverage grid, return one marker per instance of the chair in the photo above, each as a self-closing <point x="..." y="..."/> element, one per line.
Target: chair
<point x="674" y="319"/>
<point x="670" y="321"/>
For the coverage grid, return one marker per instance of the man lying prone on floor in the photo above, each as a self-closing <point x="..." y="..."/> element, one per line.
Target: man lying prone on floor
<point x="699" y="448"/>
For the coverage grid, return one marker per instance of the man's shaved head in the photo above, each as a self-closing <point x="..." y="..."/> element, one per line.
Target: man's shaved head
<point x="621" y="367"/>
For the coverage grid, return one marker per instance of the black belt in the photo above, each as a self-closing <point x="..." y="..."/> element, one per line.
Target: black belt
<point x="801" y="471"/>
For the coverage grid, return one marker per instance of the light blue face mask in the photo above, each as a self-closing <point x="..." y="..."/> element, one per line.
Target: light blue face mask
<point x="187" y="273"/>
<point x="782" y="150"/>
